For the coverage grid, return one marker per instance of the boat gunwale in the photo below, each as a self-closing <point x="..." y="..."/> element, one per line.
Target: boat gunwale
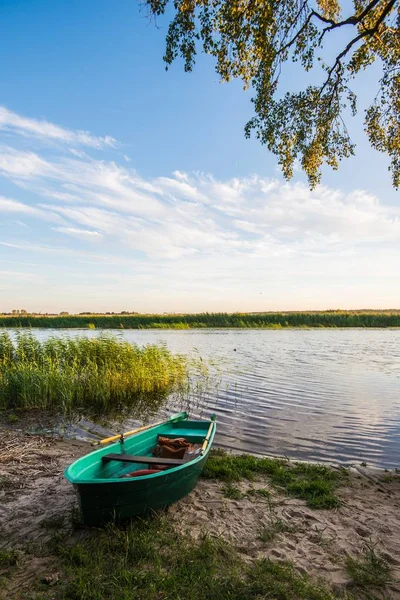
<point x="166" y="472"/>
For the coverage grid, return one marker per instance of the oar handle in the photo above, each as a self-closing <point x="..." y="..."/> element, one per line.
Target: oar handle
<point x="120" y="436"/>
<point x="207" y="438"/>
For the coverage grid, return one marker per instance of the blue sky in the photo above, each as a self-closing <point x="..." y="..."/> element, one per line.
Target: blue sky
<point x="126" y="187"/>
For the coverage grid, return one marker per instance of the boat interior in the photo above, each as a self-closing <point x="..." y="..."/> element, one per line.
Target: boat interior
<point x="137" y="455"/>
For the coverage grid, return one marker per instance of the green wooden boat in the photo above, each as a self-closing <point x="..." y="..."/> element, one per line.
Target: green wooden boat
<point x="106" y="493"/>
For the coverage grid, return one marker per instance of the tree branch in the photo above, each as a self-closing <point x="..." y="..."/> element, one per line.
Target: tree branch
<point x="385" y="12"/>
<point x="298" y="34"/>
<point x="353" y="20"/>
<point x="370" y="31"/>
<point x="293" y="22"/>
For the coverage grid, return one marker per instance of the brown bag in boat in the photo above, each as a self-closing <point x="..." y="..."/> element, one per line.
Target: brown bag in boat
<point x="170" y="452"/>
<point x="175" y="442"/>
<point x="171" y="448"/>
<point x="174" y="448"/>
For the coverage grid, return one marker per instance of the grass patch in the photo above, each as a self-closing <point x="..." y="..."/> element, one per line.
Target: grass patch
<point x="370" y="570"/>
<point x="389" y="478"/>
<point x="277" y="526"/>
<point x="75" y="518"/>
<point x="315" y="484"/>
<point x="8" y="558"/>
<point x="323" y="540"/>
<point x="263" y="492"/>
<point x="103" y="375"/>
<point x="12" y="418"/>
<point x="150" y="560"/>
<point x="281" y="581"/>
<point x="54" y="522"/>
<point x="231" y="491"/>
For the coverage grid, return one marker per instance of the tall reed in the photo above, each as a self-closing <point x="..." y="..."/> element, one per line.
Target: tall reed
<point x="102" y="375"/>
<point x="363" y="318"/>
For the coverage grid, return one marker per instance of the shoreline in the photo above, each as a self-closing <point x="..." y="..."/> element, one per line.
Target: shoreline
<point x="238" y="320"/>
<point x="255" y="517"/>
<point x="202" y="328"/>
<point x="67" y="429"/>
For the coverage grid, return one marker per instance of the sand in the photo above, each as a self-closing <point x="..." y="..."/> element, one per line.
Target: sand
<point x="34" y="490"/>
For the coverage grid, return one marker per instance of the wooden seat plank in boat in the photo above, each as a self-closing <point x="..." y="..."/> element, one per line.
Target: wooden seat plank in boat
<point x="106" y="492"/>
<point x="130" y="458"/>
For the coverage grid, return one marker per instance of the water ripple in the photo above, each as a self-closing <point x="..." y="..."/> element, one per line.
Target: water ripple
<point x="324" y="395"/>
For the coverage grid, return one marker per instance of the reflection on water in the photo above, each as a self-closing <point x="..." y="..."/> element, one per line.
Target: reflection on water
<point x="323" y="395"/>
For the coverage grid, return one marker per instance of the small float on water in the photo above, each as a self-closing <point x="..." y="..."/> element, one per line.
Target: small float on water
<point x="142" y="470"/>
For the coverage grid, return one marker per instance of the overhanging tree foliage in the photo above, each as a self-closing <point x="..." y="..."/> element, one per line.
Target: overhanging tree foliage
<point x="252" y="39"/>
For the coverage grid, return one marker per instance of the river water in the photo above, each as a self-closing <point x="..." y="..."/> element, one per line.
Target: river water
<point x="330" y="395"/>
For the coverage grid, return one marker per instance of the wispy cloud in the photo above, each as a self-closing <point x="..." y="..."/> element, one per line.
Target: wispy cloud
<point x="84" y="233"/>
<point x="192" y="232"/>
<point x="17" y="124"/>
<point x="8" y="205"/>
<point x="190" y="213"/>
<point x="22" y="165"/>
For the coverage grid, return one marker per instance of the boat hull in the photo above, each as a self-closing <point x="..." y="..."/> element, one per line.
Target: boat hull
<point x="119" y="501"/>
<point x="102" y="498"/>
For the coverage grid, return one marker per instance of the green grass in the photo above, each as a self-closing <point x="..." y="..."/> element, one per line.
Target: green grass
<point x="389" y="478"/>
<point x="8" y="558"/>
<point x="370" y="570"/>
<point x="263" y="492"/>
<point x="231" y="491"/>
<point x="103" y="375"/>
<point x="277" y="526"/>
<point x="325" y="541"/>
<point x="150" y="560"/>
<point x="12" y="418"/>
<point x="315" y="484"/>
<point x="274" y="320"/>
<point x="54" y="522"/>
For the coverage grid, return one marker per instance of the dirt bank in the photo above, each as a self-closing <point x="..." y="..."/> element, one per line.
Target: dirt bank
<point x="36" y="500"/>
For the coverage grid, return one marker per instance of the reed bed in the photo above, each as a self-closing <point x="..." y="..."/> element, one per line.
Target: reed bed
<point x="102" y="375"/>
<point x="362" y="318"/>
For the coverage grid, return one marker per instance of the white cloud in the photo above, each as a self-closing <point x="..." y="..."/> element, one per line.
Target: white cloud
<point x="179" y="188"/>
<point x="246" y="226"/>
<point x="22" y="165"/>
<point x="194" y="234"/>
<point x="82" y="233"/>
<point x="12" y="122"/>
<point x="7" y="205"/>
<point x="195" y="213"/>
<point x="180" y="175"/>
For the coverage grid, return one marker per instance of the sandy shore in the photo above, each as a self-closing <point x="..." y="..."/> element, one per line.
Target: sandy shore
<point x="33" y="491"/>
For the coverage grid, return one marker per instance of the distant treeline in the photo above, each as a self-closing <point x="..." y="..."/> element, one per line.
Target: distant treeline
<point x="193" y="321"/>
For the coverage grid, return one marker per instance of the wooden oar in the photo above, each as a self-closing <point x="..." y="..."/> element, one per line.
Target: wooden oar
<point x="207" y="438"/>
<point x="178" y="417"/>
